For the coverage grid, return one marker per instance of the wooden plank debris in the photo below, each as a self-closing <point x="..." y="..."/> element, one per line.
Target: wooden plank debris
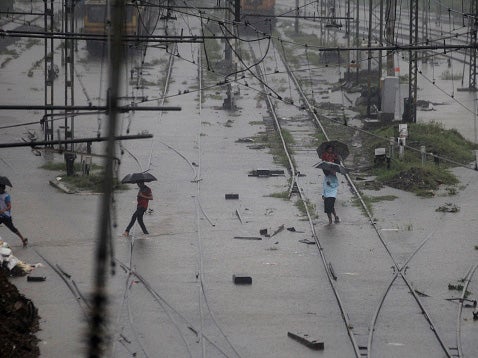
<point x="306" y="340"/>
<point x="248" y="237"/>
<point x="242" y="279"/>
<point x="231" y="196"/>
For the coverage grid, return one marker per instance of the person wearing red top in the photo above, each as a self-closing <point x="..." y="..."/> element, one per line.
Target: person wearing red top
<point x="144" y="196"/>
<point x="329" y="155"/>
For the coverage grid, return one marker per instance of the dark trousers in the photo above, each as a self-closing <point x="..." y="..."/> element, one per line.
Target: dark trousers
<point x="138" y="214"/>
<point x="8" y="223"/>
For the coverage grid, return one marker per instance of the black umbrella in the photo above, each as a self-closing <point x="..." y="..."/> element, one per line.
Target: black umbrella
<point x="138" y="177"/>
<point x="331" y="167"/>
<point x="5" y="181"/>
<point x="340" y="148"/>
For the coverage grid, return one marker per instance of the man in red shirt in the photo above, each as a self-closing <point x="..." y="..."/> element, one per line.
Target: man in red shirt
<point x="144" y="196"/>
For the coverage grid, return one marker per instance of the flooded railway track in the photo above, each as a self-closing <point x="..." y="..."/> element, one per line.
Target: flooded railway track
<point x="361" y="347"/>
<point x="295" y="182"/>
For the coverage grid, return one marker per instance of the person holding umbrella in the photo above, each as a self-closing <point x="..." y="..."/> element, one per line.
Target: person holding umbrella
<point x="329" y="193"/>
<point x="5" y="210"/>
<point x="333" y="151"/>
<point x="144" y="196"/>
<point x="329" y="155"/>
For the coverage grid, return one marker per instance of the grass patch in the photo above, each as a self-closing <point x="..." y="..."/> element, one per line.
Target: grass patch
<point x="32" y="42"/>
<point x="274" y="143"/>
<point x="10" y="52"/>
<point x="61" y="166"/>
<point x="256" y="123"/>
<point x="281" y="195"/>
<point x="215" y="96"/>
<point x="367" y="201"/>
<point x="4" y="63"/>
<point x="277" y="150"/>
<point x="409" y="174"/>
<point x="303" y="207"/>
<point x="377" y="199"/>
<point x="93" y="182"/>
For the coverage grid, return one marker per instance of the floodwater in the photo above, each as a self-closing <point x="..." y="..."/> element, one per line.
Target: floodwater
<point x="190" y="256"/>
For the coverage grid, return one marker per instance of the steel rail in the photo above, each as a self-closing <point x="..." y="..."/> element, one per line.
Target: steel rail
<point x="74" y="289"/>
<point x="163" y="97"/>
<point x="467" y="281"/>
<point x="119" y="334"/>
<point x="202" y="289"/>
<point x="163" y="303"/>
<point x="135" y="333"/>
<point x="159" y="300"/>
<point x="382" y="299"/>
<point x="340" y="303"/>
<point x="316" y="119"/>
<point x="126" y="302"/>
<point x="277" y="125"/>
<point x="78" y="296"/>
<point x="202" y="285"/>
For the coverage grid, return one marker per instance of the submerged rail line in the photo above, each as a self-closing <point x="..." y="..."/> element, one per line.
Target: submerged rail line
<point x="360" y="350"/>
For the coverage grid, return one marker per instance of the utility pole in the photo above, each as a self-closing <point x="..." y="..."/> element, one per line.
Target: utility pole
<point x="230" y="8"/>
<point x="98" y="317"/>
<point x="347" y="33"/>
<point x="369" y="52"/>
<point x="47" y="123"/>
<point x="69" y="56"/>
<point x="390" y="10"/>
<point x="380" y="40"/>
<point x="296" y="27"/>
<point x="410" y="113"/>
<point x="425" y="19"/>
<point x="357" y="38"/>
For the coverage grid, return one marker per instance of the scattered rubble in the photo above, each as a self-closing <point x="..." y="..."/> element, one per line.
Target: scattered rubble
<point x="10" y="264"/>
<point x="448" y="208"/>
<point x="19" y="320"/>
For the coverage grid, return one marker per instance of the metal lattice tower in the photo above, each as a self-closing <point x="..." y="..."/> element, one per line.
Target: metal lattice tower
<point x="47" y="123"/>
<point x="390" y="18"/>
<point x="473" y="24"/>
<point x="69" y="55"/>
<point x="410" y="114"/>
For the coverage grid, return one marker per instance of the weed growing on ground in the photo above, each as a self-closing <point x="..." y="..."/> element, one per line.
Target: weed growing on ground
<point x="410" y="173"/>
<point x="306" y="206"/>
<point x="92" y="182"/>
